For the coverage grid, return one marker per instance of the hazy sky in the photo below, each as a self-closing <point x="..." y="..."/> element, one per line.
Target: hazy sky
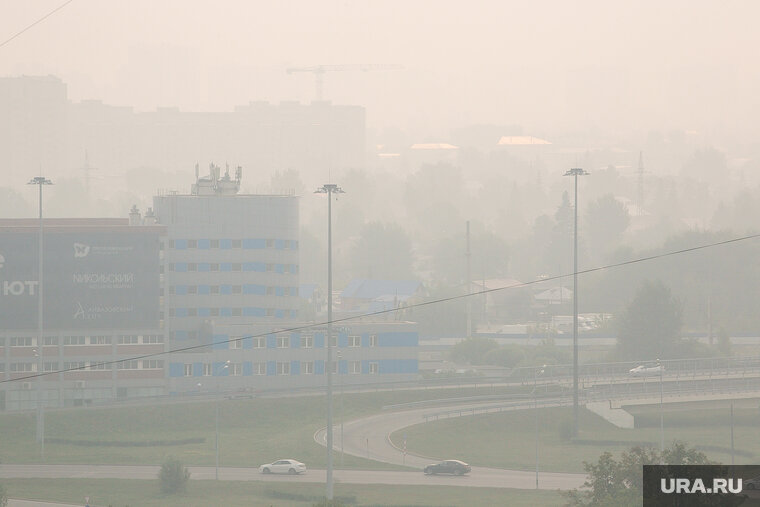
<point x="544" y="64"/>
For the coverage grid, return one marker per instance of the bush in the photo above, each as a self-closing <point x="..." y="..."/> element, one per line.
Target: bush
<point x="3" y="496"/>
<point x="330" y="503"/>
<point x="173" y="476"/>
<point x="508" y="356"/>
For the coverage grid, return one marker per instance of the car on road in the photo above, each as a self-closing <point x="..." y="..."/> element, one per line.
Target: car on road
<point x="283" y="466"/>
<point x="646" y="370"/>
<point x="449" y="466"/>
<point x="753" y="483"/>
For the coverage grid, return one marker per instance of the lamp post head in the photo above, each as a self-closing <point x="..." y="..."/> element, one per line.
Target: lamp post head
<point x="329" y="188"/>
<point x="576" y="171"/>
<point x="40" y="180"/>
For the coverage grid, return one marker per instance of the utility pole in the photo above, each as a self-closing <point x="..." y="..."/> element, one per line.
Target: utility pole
<point x="329" y="189"/>
<point x="575" y="172"/>
<point x="40" y="181"/>
<point x="469" y="286"/>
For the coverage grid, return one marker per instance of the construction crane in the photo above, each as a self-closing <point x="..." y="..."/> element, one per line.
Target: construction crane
<point x="319" y="72"/>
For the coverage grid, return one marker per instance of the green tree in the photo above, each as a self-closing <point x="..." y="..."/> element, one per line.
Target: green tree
<point x="473" y="350"/>
<point x="619" y="483"/>
<point x="606" y="220"/>
<point x="173" y="476"/>
<point x="650" y="326"/>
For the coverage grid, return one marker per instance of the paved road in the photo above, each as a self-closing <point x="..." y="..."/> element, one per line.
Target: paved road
<point x="481" y="477"/>
<point x="369" y="437"/>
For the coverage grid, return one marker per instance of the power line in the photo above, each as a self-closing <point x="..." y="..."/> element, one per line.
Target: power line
<point x="43" y="18"/>
<point x="393" y="310"/>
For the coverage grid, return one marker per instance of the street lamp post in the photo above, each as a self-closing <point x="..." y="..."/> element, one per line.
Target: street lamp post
<point x="40" y="181"/>
<point x="575" y="172"/>
<point x="662" y="415"/>
<point x="329" y="189"/>
<point x="536" y="374"/>
<point x="216" y="422"/>
<point x="340" y="383"/>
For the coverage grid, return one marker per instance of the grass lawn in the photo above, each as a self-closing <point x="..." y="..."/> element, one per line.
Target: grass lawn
<point x="133" y="493"/>
<point x="251" y="432"/>
<point x="507" y="439"/>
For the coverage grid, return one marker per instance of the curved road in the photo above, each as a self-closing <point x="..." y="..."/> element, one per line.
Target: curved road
<point x="369" y="437"/>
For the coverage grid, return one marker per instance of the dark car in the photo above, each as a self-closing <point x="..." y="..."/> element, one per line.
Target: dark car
<point x="450" y="466"/>
<point x="753" y="483"/>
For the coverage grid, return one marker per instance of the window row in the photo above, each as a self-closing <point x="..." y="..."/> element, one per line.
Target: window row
<point x="52" y="366"/>
<point x="233" y="312"/>
<point x="280" y="368"/>
<point x="224" y="290"/>
<point x="28" y="341"/>
<point x="261" y="267"/>
<point x="226" y="244"/>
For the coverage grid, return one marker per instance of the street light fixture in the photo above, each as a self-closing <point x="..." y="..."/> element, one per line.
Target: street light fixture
<point x="329" y="189"/>
<point x="575" y="172"/>
<point x="40" y="181"/>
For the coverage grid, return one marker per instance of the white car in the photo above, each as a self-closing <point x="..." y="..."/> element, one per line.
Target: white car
<point x="283" y="466"/>
<point x="646" y="370"/>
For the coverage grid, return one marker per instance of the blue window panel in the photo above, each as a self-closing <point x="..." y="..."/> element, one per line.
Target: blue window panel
<point x="180" y="335"/>
<point x="252" y="311"/>
<point x="365" y="343"/>
<point x="279" y="314"/>
<point x="247" y="368"/>
<point x="176" y="370"/>
<point x="204" y="244"/>
<point x="254" y="243"/>
<point x="319" y="340"/>
<point x="343" y="367"/>
<point x="204" y="312"/>
<point x="279" y="291"/>
<point x="271" y="368"/>
<point x="319" y="367"/>
<point x="295" y="340"/>
<point x="342" y="340"/>
<point x="293" y="314"/>
<point x="220" y="342"/>
<point x="197" y="369"/>
<point x="365" y="367"/>
<point x="225" y="244"/>
<point x="180" y="266"/>
<point x="259" y="290"/>
<point x="293" y="268"/>
<point x="204" y="266"/>
<point x="295" y="367"/>
<point x="279" y="244"/>
<point x="254" y="266"/>
<point x="204" y="290"/>
<point x="247" y="343"/>
<point x="397" y="366"/>
<point x="225" y="290"/>
<point x="271" y="342"/>
<point x="407" y="339"/>
<point x="180" y="244"/>
<point x="225" y="312"/>
<point x="225" y="266"/>
<point x="180" y="312"/>
<point x="219" y="370"/>
<point x="279" y="268"/>
<point x="180" y="290"/>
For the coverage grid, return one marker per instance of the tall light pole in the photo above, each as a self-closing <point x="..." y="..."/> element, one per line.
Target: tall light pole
<point x="329" y="189"/>
<point x="662" y="415"/>
<point x="216" y="419"/>
<point x="536" y="374"/>
<point x="575" y="172"/>
<point x="40" y="181"/>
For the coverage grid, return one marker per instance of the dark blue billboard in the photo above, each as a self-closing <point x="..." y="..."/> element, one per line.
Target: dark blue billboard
<point x="91" y="279"/>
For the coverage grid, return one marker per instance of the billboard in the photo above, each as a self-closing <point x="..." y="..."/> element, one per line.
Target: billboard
<point x="91" y="279"/>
